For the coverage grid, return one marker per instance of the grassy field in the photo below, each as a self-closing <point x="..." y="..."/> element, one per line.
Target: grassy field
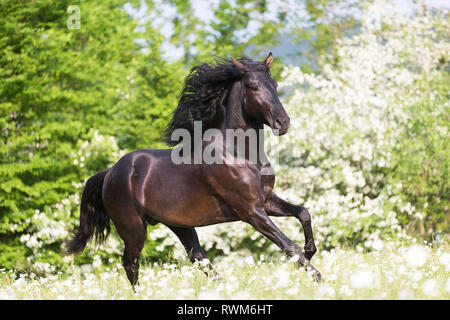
<point x="407" y="272"/>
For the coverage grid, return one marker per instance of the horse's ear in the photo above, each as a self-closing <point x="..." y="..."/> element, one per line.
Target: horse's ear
<point x="237" y="63"/>
<point x="269" y="60"/>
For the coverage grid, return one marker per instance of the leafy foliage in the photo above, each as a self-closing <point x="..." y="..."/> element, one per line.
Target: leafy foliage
<point x="421" y="167"/>
<point x="57" y="85"/>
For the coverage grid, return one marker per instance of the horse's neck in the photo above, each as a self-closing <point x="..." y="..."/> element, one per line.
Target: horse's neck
<point x="234" y="111"/>
<point x="235" y="119"/>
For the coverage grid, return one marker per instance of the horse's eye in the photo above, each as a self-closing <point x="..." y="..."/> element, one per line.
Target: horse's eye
<point x="254" y="88"/>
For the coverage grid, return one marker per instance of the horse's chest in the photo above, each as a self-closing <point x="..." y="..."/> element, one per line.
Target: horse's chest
<point x="267" y="183"/>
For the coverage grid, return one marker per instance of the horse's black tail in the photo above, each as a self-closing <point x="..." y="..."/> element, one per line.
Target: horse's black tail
<point x="93" y="216"/>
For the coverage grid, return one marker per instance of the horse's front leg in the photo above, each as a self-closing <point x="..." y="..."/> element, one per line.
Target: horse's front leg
<point x="275" y="206"/>
<point x="259" y="219"/>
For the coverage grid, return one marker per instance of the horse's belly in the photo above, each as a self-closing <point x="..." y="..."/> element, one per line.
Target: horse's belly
<point x="186" y="210"/>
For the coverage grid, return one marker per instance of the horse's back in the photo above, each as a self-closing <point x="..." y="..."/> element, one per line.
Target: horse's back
<point x="159" y="189"/>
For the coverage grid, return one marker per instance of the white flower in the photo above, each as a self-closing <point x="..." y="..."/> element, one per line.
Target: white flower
<point x="405" y="294"/>
<point x="429" y="288"/>
<point x="345" y="290"/>
<point x="378" y="244"/>
<point x="97" y="262"/>
<point x="250" y="261"/>
<point x="205" y="262"/>
<point x="417" y="276"/>
<point x="361" y="279"/>
<point x="445" y="260"/>
<point x="325" y="291"/>
<point x="402" y="269"/>
<point x="447" y="287"/>
<point x="416" y="255"/>
<point x="210" y="295"/>
<point x="283" y="278"/>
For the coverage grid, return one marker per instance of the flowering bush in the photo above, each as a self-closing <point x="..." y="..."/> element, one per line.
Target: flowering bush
<point x="348" y="119"/>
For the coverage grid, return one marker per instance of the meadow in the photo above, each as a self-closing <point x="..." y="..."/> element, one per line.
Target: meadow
<point x="397" y="272"/>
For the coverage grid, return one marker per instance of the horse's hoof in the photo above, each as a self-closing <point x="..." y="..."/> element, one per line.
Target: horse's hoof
<point x="317" y="276"/>
<point x="216" y="277"/>
<point x="314" y="273"/>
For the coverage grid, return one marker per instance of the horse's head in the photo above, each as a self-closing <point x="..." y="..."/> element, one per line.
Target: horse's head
<point x="260" y="96"/>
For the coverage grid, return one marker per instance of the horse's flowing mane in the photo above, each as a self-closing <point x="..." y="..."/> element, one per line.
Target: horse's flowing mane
<point x="204" y="93"/>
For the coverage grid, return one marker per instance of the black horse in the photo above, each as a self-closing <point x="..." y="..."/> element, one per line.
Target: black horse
<point x="146" y="186"/>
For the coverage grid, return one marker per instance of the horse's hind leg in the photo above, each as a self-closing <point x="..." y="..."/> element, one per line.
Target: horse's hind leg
<point x="130" y="258"/>
<point x="195" y="252"/>
<point x="133" y="231"/>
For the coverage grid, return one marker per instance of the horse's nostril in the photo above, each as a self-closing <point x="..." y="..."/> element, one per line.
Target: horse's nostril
<point x="281" y="125"/>
<point x="278" y="124"/>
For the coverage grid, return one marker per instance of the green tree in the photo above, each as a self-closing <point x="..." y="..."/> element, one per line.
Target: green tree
<point x="57" y="85"/>
<point x="318" y="25"/>
<point x="421" y="167"/>
<point x="228" y="34"/>
<point x="303" y="31"/>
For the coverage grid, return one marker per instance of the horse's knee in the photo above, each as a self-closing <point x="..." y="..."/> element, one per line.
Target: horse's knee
<point x="304" y="215"/>
<point x="310" y="249"/>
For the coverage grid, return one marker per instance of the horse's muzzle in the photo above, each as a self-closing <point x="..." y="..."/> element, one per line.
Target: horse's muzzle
<point x="281" y="125"/>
